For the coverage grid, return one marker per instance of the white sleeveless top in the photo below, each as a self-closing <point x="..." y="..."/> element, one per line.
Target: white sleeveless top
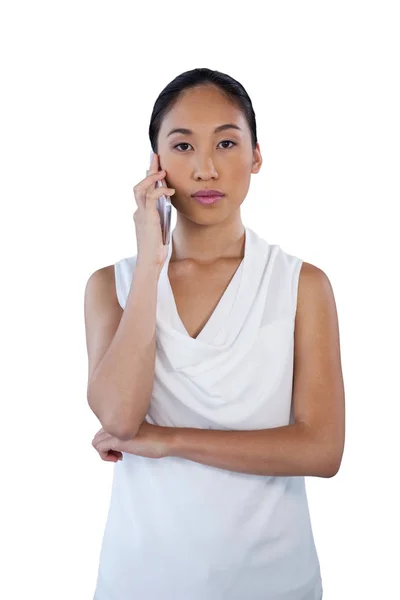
<point x="181" y="530"/>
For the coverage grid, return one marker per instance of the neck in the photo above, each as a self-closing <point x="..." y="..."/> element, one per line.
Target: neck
<point x="207" y="243"/>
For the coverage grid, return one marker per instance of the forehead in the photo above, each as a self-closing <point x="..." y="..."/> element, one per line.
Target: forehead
<point x="202" y="110"/>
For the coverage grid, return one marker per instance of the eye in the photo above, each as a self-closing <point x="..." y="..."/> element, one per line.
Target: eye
<point x="223" y="142"/>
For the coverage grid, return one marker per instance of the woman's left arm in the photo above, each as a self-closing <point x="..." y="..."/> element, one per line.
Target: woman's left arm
<point x="314" y="444"/>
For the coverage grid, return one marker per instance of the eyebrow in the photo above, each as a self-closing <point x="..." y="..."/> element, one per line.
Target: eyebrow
<point x="216" y="130"/>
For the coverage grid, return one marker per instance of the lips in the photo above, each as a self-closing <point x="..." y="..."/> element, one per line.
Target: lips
<point x="207" y="200"/>
<point x="208" y="194"/>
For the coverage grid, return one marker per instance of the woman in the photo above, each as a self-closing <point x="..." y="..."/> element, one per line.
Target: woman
<point x="214" y="369"/>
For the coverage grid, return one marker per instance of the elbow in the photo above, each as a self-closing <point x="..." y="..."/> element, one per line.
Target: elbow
<point x="330" y="472"/>
<point x="333" y="468"/>
<point x="120" y="430"/>
<point x="122" y="434"/>
<point x="115" y="426"/>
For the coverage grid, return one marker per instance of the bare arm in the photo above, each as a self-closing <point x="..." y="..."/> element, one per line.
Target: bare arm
<point x="122" y="345"/>
<point x="314" y="444"/>
<point x="121" y="361"/>
<point x="290" y="450"/>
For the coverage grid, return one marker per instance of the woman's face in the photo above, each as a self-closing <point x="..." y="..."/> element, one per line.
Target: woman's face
<point x="204" y="159"/>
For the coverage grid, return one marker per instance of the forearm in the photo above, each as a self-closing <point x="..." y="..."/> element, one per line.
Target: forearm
<point x="291" y="450"/>
<point x="123" y="382"/>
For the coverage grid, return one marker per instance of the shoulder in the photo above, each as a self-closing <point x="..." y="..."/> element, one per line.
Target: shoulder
<point x="103" y="277"/>
<point x="101" y="285"/>
<point x="314" y="287"/>
<point x="316" y="312"/>
<point x="102" y="315"/>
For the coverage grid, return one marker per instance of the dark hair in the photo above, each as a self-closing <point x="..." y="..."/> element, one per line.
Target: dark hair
<point x="232" y="89"/>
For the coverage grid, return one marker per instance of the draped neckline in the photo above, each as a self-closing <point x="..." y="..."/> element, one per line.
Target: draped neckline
<point x="221" y="312"/>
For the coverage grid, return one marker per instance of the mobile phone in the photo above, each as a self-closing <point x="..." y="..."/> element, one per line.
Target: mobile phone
<point x="164" y="210"/>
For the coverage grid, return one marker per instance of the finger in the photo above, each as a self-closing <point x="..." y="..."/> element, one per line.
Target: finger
<point x="99" y="436"/>
<point x="149" y="180"/>
<point x="101" y="439"/>
<point x="154" y="163"/>
<point x="154" y="167"/>
<point x="117" y="455"/>
<point x="102" y="432"/>
<point x="139" y="191"/>
<point x="108" y="444"/>
<point x="113" y="455"/>
<point x="153" y="195"/>
<point x="98" y="433"/>
<point x="108" y="457"/>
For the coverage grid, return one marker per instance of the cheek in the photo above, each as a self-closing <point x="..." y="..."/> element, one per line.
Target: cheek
<point x="240" y="167"/>
<point x="240" y="176"/>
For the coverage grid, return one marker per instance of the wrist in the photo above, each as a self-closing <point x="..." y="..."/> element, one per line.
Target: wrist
<point x="148" y="268"/>
<point x="171" y="441"/>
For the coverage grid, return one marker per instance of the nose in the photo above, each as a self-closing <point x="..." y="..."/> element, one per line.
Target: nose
<point x="205" y="169"/>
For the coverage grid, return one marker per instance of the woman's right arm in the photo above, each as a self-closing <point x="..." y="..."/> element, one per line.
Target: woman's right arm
<point x="121" y="349"/>
<point x="122" y="343"/>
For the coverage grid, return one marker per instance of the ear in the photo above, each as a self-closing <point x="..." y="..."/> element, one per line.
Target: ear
<point x="257" y="159"/>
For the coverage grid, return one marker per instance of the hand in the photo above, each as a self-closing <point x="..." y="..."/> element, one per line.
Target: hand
<point x="107" y="446"/>
<point x="151" y="250"/>
<point x="151" y="441"/>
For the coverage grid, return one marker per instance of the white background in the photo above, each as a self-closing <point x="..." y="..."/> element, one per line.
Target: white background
<point x="79" y="82"/>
